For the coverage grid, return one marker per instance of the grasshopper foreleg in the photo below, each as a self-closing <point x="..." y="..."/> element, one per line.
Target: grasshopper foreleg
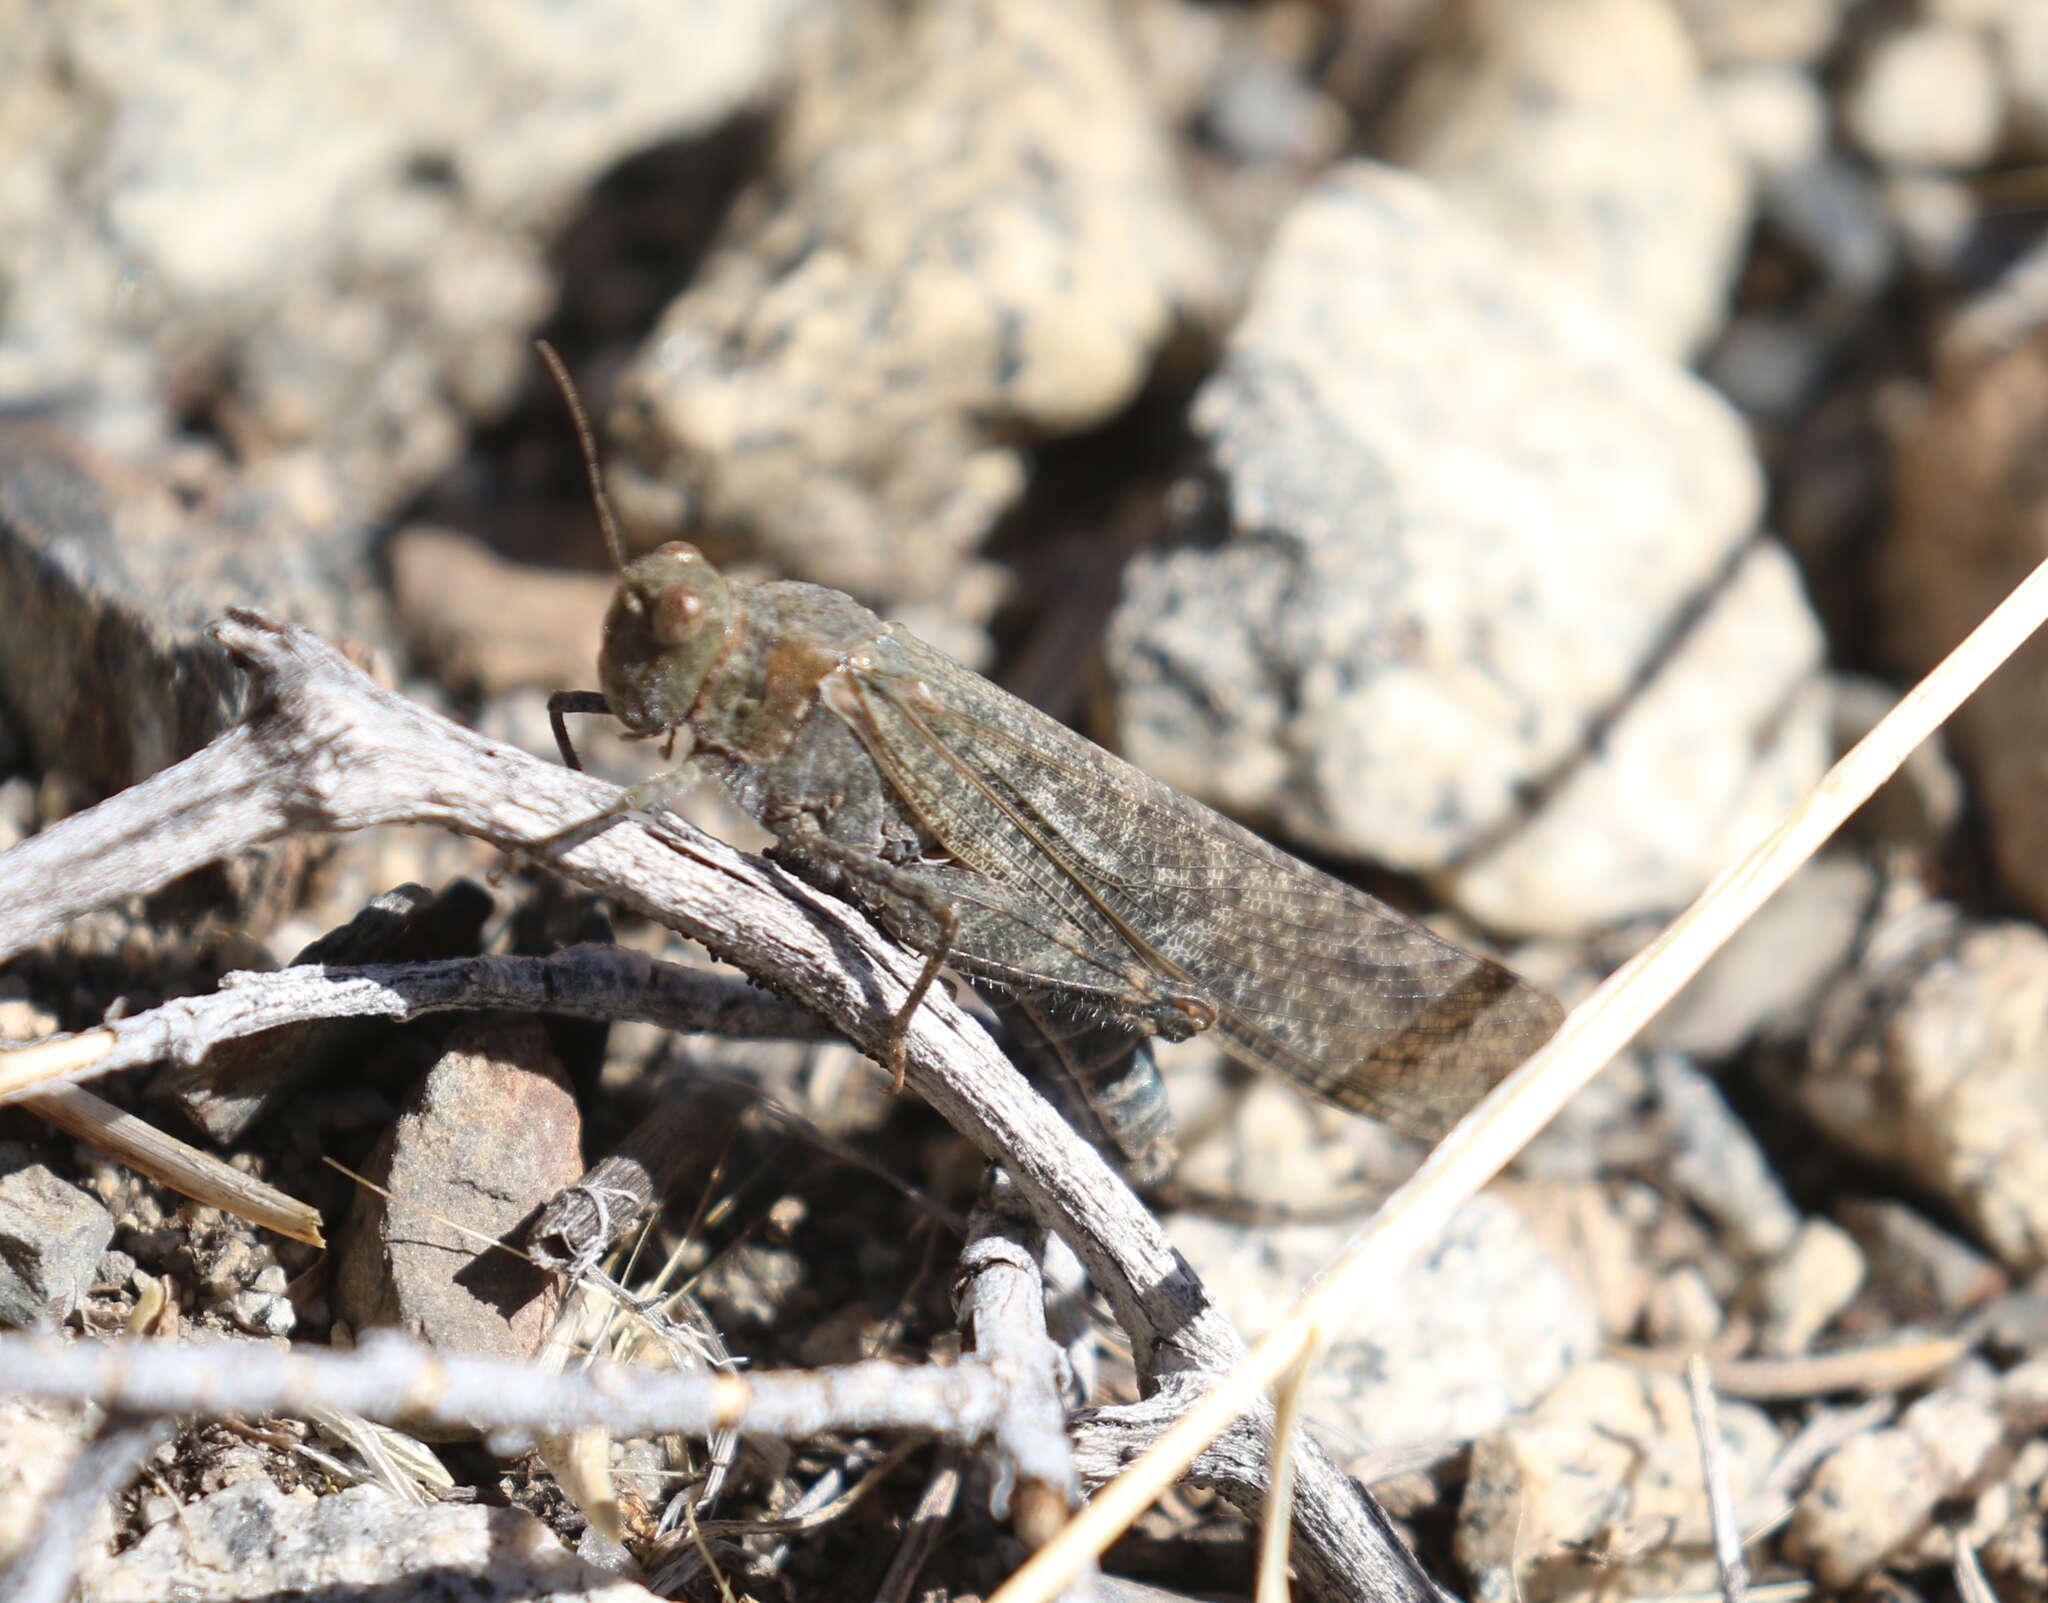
<point x="560" y="704"/>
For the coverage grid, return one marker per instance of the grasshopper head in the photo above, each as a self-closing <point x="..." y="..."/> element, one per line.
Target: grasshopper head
<point x="666" y="628"/>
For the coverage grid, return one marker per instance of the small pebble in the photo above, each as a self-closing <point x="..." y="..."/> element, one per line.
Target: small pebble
<point x="1800" y="1293"/>
<point x="262" y="1313"/>
<point x="1682" y="1313"/>
<point x="1776" y="115"/>
<point x="1716" y="1163"/>
<point x="1922" y="1271"/>
<point x="1927" y="96"/>
<point x="1872" y="1494"/>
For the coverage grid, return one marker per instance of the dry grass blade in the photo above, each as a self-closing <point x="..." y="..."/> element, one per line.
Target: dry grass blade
<point x="1972" y="1585"/>
<point x="1706" y="1424"/>
<point x="1489" y="1137"/>
<point x="1278" y="1521"/>
<point x="184" y="1168"/>
<point x="1882" y="1366"/>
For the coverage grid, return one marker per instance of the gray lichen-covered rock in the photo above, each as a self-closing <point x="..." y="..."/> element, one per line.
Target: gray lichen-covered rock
<point x="342" y="216"/>
<point x="1931" y="1060"/>
<point x="106" y="585"/>
<point x="1481" y="1325"/>
<point x="970" y="234"/>
<point x="1608" y="165"/>
<point x="255" y="1540"/>
<point x="1598" y="1491"/>
<point x="1459" y="524"/>
<point x="51" y="1238"/>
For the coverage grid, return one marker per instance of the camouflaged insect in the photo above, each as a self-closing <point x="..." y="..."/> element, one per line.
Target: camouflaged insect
<point x="1100" y="904"/>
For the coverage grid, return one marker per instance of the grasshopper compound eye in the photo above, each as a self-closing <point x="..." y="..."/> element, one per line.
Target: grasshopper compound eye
<point x="675" y="615"/>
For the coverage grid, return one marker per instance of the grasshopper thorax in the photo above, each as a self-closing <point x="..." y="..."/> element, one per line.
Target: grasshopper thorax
<point x="666" y="628"/>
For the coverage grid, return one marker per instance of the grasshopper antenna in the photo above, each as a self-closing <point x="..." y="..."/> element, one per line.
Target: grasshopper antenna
<point x="588" y="440"/>
<point x="563" y="702"/>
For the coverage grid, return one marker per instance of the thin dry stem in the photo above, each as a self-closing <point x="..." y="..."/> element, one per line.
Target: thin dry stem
<point x="1706" y="1424"/>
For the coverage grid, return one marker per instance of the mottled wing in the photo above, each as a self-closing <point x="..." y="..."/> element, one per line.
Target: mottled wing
<point x="1312" y="978"/>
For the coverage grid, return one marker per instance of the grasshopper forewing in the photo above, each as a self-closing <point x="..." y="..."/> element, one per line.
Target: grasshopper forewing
<point x="1178" y="908"/>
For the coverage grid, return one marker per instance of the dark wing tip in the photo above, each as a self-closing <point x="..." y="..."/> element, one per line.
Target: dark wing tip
<point x="1422" y="1079"/>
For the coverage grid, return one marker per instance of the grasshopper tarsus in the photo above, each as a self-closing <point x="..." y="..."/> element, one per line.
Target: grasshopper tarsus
<point x="899" y="1027"/>
<point x="560" y="705"/>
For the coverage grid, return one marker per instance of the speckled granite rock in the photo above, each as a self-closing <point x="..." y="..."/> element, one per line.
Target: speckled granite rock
<point x="255" y="1540"/>
<point x="1597" y="1492"/>
<point x="1482" y="1324"/>
<point x="1468" y="548"/>
<point x="1875" y="1494"/>
<point x="1609" y="165"/>
<point x="338" y="218"/>
<point x="51" y="1236"/>
<point x="970" y="234"/>
<point x="1931" y="1060"/>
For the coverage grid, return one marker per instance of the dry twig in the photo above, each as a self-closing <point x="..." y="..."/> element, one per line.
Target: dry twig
<point x="184" y="1168"/>
<point x="1706" y="1425"/>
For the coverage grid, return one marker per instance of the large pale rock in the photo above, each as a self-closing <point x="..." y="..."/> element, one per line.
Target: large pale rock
<point x="1598" y="1491"/>
<point x="1761" y="30"/>
<point x="1459" y="525"/>
<point x="338" y="216"/>
<point x="1481" y="1325"/>
<point x="1607" y="164"/>
<point x="254" y="1540"/>
<point x="970" y="233"/>
<point x="1932" y="1059"/>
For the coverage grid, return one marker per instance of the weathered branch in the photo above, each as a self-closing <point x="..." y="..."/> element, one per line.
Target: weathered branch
<point x="326" y="749"/>
<point x="999" y="1301"/>
<point x="595" y="982"/>
<point x="398" y="1382"/>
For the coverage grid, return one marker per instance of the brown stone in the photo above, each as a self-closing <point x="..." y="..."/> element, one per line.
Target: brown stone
<point x="490" y="1134"/>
